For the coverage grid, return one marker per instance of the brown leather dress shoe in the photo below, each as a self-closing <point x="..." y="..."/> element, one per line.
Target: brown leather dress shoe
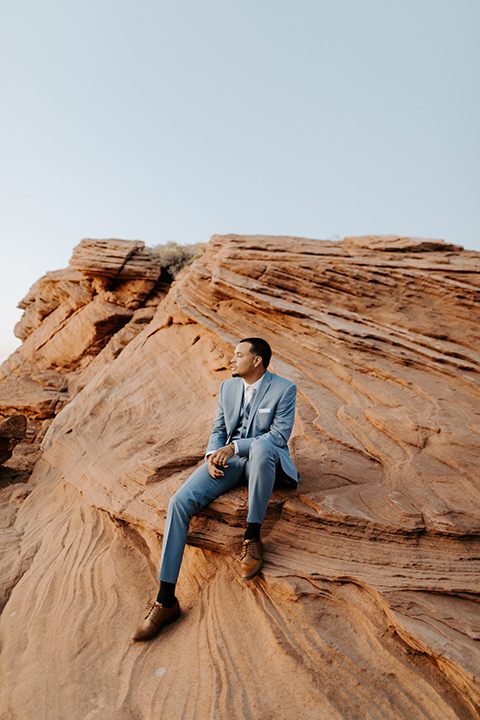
<point x="251" y="559"/>
<point x="153" y="622"/>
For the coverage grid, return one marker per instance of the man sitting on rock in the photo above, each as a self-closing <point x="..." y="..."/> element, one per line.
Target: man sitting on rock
<point x="254" y="420"/>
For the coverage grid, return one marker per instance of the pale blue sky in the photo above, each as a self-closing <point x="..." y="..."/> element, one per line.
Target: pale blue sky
<point x="174" y="121"/>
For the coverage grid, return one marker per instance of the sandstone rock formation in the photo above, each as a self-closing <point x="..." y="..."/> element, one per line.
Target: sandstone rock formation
<point x="75" y="321"/>
<point x="368" y="605"/>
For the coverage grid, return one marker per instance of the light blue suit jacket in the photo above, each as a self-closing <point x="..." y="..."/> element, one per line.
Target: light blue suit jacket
<point x="271" y="417"/>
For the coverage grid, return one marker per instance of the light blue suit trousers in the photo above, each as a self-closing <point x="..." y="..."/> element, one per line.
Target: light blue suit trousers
<point x="262" y="449"/>
<point x="201" y="488"/>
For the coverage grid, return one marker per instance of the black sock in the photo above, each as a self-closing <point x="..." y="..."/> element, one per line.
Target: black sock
<point x="166" y="594"/>
<point x="253" y="531"/>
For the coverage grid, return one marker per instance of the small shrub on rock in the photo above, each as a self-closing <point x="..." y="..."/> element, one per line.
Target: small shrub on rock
<point x="174" y="257"/>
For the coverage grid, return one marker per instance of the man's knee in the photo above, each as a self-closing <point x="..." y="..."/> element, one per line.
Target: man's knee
<point x="181" y="503"/>
<point x="262" y="450"/>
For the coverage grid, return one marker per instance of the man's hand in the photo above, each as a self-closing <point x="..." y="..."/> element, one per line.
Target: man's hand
<point x="218" y="459"/>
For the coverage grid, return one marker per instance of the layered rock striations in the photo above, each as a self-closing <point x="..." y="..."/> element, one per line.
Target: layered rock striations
<point x="74" y="322"/>
<point x="368" y="605"/>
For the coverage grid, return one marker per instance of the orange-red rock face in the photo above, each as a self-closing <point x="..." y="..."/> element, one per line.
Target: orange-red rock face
<point x="368" y="605"/>
<point x="74" y="322"/>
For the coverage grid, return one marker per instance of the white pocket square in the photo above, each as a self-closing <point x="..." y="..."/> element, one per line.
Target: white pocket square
<point x="264" y="410"/>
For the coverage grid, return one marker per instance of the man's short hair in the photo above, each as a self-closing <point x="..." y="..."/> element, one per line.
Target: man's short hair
<point x="260" y="347"/>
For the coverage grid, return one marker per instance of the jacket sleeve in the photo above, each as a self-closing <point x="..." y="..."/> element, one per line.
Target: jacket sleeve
<point x="218" y="436"/>
<point x="281" y="425"/>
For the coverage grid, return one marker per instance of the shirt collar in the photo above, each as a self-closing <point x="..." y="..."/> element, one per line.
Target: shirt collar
<point x="254" y="385"/>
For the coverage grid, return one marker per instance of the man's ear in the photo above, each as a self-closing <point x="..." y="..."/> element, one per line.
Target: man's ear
<point x="257" y="361"/>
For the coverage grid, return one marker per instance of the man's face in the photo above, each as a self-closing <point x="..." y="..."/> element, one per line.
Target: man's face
<point x="244" y="362"/>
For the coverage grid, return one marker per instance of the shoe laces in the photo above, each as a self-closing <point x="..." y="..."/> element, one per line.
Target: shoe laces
<point x="249" y="549"/>
<point x="151" y="613"/>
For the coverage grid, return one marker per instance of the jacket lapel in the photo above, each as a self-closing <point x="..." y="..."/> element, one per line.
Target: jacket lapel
<point x="237" y="405"/>
<point x="259" y="395"/>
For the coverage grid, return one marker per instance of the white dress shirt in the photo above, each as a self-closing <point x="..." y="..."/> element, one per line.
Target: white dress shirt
<point x="248" y="393"/>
